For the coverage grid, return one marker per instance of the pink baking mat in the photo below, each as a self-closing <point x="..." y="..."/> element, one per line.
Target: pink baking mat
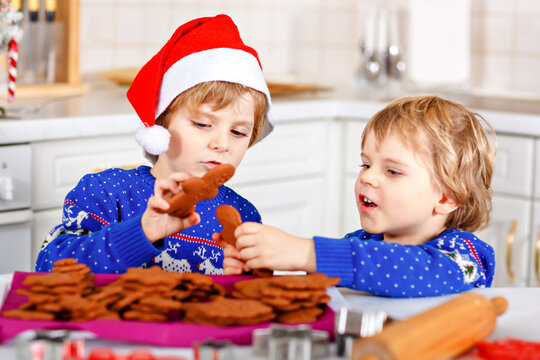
<point x="174" y="333"/>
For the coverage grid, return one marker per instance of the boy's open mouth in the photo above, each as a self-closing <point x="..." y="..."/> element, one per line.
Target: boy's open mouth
<point x="367" y="202"/>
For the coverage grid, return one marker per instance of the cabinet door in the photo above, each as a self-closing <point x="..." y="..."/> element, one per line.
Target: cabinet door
<point x="537" y="173"/>
<point x="57" y="166"/>
<point x="351" y="216"/>
<point x="513" y="165"/>
<point x="295" y="207"/>
<point x="291" y="150"/>
<point x="535" y="247"/>
<point x="511" y="244"/>
<point x="43" y="223"/>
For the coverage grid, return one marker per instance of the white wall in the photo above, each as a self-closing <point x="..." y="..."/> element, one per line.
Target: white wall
<point x="310" y="40"/>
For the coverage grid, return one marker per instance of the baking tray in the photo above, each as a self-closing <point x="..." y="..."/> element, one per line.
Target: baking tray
<point x="125" y="76"/>
<point x="174" y="333"/>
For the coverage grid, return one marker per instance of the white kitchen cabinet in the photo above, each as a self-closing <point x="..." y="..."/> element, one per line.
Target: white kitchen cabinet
<point x="510" y="229"/>
<point x="294" y="206"/>
<point x="514" y="165"/>
<point x="42" y="223"/>
<point x="534" y="273"/>
<point x="57" y="166"/>
<point x="511" y="243"/>
<point x="353" y="130"/>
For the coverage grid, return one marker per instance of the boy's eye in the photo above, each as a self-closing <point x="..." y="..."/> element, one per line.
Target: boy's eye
<point x="365" y="166"/>
<point x="199" y="124"/>
<point x="393" y="172"/>
<point x="239" y="133"/>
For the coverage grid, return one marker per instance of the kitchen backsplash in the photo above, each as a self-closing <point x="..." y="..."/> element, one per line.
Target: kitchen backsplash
<point x="312" y="40"/>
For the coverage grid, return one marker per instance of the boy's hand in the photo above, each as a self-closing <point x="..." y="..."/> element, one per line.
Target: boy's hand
<point x="232" y="264"/>
<point x="155" y="222"/>
<point x="263" y="246"/>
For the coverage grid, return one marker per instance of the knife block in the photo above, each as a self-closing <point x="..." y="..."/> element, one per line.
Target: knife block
<point x="443" y="332"/>
<point x="64" y="31"/>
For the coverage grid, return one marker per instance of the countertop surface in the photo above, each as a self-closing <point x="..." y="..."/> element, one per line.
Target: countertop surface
<point x="105" y="110"/>
<point x="521" y="320"/>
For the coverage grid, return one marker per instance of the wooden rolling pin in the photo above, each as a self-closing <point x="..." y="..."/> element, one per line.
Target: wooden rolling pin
<point x="443" y="332"/>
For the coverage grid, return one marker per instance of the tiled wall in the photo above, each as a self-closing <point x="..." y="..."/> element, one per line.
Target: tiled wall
<point x="311" y="40"/>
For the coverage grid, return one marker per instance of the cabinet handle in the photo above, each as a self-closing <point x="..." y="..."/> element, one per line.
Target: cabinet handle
<point x="96" y="169"/>
<point x="536" y="261"/>
<point x="509" y="243"/>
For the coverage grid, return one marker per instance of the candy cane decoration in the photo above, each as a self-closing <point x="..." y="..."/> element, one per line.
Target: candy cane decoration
<point x="13" y="58"/>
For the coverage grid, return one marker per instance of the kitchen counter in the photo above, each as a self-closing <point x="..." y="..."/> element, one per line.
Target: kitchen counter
<point x="105" y="110"/>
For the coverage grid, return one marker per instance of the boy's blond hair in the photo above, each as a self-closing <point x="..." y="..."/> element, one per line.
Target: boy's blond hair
<point x="453" y="143"/>
<point x="219" y="94"/>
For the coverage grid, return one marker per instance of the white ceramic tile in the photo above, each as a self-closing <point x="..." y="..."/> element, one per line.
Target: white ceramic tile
<point x="308" y="62"/>
<point x="130" y="26"/>
<point x="309" y="27"/>
<point x="528" y="6"/>
<point x="496" y="72"/>
<point x="158" y="24"/>
<point x="498" y="6"/>
<point x="128" y="57"/>
<point x="477" y="31"/>
<point x="527" y="74"/>
<point x="528" y="30"/>
<point x="337" y="65"/>
<point x="181" y="16"/>
<point x="92" y="35"/>
<point x="95" y="60"/>
<point x="498" y="33"/>
<point x="260" y="27"/>
<point x="338" y="25"/>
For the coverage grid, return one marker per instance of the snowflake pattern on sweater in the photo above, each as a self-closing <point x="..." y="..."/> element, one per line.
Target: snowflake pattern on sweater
<point x="101" y="227"/>
<point x="454" y="261"/>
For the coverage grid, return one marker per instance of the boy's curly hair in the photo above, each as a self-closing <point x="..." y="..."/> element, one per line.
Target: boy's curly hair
<point x="455" y="145"/>
<point x="219" y="94"/>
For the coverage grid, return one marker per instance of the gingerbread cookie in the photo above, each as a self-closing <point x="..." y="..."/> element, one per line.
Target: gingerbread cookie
<point x="196" y="189"/>
<point x="229" y="218"/>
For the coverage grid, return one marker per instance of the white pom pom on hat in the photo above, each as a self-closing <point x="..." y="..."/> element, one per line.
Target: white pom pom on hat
<point x="154" y="139"/>
<point x="201" y="50"/>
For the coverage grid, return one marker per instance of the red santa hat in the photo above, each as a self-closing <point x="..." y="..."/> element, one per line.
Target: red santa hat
<point x="204" y="49"/>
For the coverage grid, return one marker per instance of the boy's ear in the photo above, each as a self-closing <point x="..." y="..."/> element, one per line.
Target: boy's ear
<point x="445" y="205"/>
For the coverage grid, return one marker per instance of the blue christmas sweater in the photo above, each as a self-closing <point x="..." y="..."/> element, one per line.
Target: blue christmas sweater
<point x="454" y="261"/>
<point x="101" y="227"/>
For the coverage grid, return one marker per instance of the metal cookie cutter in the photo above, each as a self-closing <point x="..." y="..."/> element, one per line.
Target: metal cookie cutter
<point x="214" y="350"/>
<point x="290" y="343"/>
<point x="51" y="344"/>
<point x="351" y="324"/>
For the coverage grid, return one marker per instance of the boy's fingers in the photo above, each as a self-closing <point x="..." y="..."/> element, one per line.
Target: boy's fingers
<point x="231" y="262"/>
<point x="158" y="204"/>
<point x="164" y="186"/>
<point x="232" y="271"/>
<point x="230" y="251"/>
<point x="179" y="176"/>
<point x="247" y="228"/>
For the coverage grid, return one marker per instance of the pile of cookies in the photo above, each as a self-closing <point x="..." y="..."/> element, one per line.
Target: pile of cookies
<point x="59" y="295"/>
<point x="294" y="298"/>
<point x="151" y="294"/>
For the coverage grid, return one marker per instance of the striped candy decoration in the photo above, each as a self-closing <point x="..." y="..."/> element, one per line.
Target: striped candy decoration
<point x="13" y="58"/>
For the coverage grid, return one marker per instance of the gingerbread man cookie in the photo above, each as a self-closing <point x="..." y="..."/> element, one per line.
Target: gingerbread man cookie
<point x="196" y="189"/>
<point x="229" y="218"/>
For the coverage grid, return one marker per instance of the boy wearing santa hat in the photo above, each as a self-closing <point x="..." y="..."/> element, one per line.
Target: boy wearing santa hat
<point x="203" y="101"/>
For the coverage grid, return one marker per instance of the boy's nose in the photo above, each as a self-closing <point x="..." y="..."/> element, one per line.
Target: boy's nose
<point x="368" y="177"/>
<point x="219" y="142"/>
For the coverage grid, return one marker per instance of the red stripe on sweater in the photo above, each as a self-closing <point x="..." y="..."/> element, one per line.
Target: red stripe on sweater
<point x="92" y="215"/>
<point x="473" y="251"/>
<point x="196" y="240"/>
